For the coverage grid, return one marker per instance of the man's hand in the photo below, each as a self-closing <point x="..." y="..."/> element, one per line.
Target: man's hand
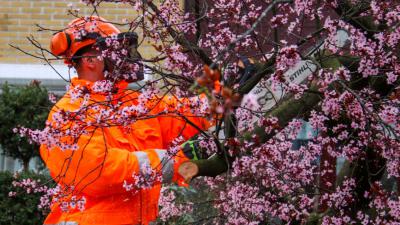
<point x="188" y="170"/>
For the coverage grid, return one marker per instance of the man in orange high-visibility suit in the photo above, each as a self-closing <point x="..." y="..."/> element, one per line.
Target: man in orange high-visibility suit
<point x="101" y="159"/>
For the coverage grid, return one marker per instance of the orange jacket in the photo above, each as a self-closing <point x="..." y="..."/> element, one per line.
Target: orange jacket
<point x="106" y="157"/>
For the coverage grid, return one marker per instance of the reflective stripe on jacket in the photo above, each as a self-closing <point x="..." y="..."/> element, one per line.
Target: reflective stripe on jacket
<point x="107" y="157"/>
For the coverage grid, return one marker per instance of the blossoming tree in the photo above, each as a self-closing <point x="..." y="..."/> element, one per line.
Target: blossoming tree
<point x="280" y="63"/>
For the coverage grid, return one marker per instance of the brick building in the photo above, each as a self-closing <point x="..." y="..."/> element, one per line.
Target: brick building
<point x="18" y="19"/>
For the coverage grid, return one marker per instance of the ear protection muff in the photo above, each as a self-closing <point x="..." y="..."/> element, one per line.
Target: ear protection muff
<point x="60" y="43"/>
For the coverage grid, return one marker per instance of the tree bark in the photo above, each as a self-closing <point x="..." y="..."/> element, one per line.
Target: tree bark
<point x="25" y="164"/>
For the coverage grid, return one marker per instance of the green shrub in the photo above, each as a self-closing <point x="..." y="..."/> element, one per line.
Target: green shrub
<point x="24" y="106"/>
<point x="21" y="208"/>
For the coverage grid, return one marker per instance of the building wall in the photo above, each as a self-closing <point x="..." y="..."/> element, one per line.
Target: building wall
<point x="18" y="19"/>
<point x="9" y="164"/>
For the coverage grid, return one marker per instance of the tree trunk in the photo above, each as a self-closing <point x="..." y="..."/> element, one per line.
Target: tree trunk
<point x="25" y="164"/>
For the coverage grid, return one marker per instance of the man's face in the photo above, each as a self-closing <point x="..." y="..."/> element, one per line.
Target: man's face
<point x="91" y="66"/>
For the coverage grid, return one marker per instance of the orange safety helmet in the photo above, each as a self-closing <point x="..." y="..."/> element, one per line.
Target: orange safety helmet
<point x="80" y="33"/>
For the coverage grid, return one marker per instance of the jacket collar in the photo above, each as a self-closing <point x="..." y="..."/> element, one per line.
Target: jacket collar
<point x="98" y="87"/>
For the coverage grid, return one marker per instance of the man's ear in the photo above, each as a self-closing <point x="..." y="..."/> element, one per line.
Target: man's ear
<point x="74" y="64"/>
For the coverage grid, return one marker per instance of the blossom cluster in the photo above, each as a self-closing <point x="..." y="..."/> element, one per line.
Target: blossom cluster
<point x="50" y="196"/>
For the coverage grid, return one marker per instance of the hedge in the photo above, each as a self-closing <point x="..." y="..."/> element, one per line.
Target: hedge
<point x="16" y="205"/>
